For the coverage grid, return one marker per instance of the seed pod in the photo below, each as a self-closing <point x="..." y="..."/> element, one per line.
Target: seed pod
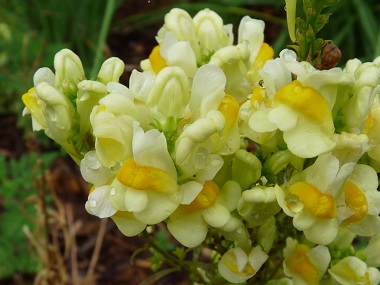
<point x="330" y="57"/>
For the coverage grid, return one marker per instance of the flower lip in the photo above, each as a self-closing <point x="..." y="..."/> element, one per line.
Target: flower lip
<point x="306" y="101"/>
<point x="156" y="60"/>
<point x="205" y="198"/>
<point x="300" y="264"/>
<point x="356" y="200"/>
<point x="320" y="204"/>
<point x="146" y="178"/>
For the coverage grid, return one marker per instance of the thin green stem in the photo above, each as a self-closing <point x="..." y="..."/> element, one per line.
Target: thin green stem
<point x="110" y="8"/>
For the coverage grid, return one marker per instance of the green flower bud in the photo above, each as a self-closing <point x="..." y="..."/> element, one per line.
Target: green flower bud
<point x="257" y="205"/>
<point x="68" y="72"/>
<point x="58" y="111"/>
<point x="267" y="234"/>
<point x="210" y="31"/>
<point x="169" y="95"/>
<point x="246" y="168"/>
<point x="111" y="70"/>
<point x="89" y="94"/>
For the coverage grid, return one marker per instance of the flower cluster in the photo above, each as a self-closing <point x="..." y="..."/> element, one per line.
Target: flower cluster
<point x="215" y="136"/>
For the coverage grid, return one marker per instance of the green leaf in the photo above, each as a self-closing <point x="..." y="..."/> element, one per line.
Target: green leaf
<point x="321" y="21"/>
<point x="367" y="21"/>
<point x="158" y="275"/>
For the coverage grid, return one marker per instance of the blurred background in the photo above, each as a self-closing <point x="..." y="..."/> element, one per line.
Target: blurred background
<point x="46" y="237"/>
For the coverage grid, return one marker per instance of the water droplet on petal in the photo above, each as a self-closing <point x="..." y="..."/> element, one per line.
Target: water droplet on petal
<point x="167" y="212"/>
<point x="92" y="203"/>
<point x="294" y="203"/>
<point x="92" y="160"/>
<point x="239" y="230"/>
<point x="289" y="56"/>
<point x="113" y="191"/>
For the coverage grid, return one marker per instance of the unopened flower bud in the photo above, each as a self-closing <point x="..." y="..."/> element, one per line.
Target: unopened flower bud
<point x="111" y="70"/>
<point x="68" y="72"/>
<point x="210" y="31"/>
<point x="170" y="94"/>
<point x="246" y="168"/>
<point x="236" y="266"/>
<point x="44" y="74"/>
<point x="267" y="234"/>
<point x="181" y="23"/>
<point x="252" y="31"/>
<point x="89" y="94"/>
<point x="58" y="108"/>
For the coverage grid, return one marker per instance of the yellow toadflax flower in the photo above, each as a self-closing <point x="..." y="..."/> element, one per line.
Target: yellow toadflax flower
<point x="305" y="118"/>
<point x="142" y="191"/>
<point x="359" y="203"/>
<point x="111" y="122"/>
<point x="149" y="178"/>
<point x="352" y="270"/>
<point x="202" y="206"/>
<point x="237" y="266"/>
<point x="305" y="265"/>
<point x="311" y="198"/>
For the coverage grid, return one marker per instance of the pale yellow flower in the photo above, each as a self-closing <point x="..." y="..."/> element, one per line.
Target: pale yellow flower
<point x="350" y="147"/>
<point x="305" y="118"/>
<point x="351" y="270"/>
<point x="305" y="265"/>
<point x="202" y="206"/>
<point x="359" y="203"/>
<point x="94" y="172"/>
<point x="210" y="117"/>
<point x="310" y="197"/>
<point x="372" y="130"/>
<point x="111" y="123"/>
<point x="148" y="178"/>
<point x="237" y="266"/>
<point x="355" y="111"/>
<point x="371" y="253"/>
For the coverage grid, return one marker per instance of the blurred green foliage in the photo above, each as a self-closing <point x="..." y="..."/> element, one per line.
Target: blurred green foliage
<point x="353" y="26"/>
<point x="32" y="31"/>
<point x="16" y="178"/>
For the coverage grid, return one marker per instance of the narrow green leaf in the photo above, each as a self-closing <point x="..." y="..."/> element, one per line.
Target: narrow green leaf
<point x="367" y="21"/>
<point x="158" y="275"/>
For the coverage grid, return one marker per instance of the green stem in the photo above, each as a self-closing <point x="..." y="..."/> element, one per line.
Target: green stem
<point x="110" y="8"/>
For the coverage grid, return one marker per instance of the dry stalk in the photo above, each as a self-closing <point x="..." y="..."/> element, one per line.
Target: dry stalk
<point x="54" y="239"/>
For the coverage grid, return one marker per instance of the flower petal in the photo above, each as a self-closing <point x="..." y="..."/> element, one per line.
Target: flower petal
<point x="159" y="207"/>
<point x="189" y="229"/>
<point x="128" y="224"/>
<point x="135" y="200"/>
<point x="216" y="215"/>
<point x="99" y="204"/>
<point x="322" y="232"/>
